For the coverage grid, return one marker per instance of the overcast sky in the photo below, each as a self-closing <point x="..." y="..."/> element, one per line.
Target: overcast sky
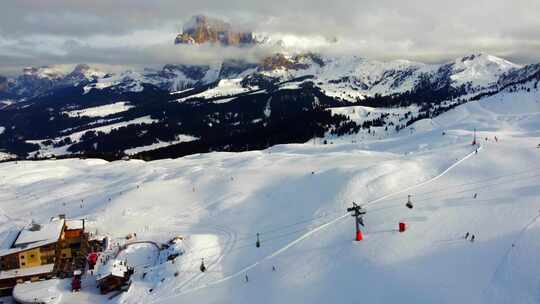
<point x="141" y="32"/>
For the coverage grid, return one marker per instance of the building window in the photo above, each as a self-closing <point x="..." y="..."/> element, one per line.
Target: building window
<point x="23" y="264"/>
<point x="22" y="257"/>
<point x="32" y="256"/>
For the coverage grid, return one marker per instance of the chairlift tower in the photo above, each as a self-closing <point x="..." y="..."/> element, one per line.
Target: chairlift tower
<point x="358" y="212"/>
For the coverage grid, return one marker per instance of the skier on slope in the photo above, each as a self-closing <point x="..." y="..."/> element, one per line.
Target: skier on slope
<point x="202" y="267"/>
<point x="472" y="238"/>
<point x="467" y="235"/>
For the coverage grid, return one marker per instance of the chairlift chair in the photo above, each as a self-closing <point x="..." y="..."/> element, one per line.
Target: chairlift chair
<point x="409" y="204"/>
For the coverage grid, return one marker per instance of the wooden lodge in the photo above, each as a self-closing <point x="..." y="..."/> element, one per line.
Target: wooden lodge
<point x="113" y="276"/>
<point x="42" y="251"/>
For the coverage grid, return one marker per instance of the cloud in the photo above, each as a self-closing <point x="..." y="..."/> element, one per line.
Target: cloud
<point x="140" y="32"/>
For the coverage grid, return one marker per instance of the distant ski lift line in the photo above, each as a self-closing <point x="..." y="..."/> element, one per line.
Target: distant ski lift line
<point x="416" y="195"/>
<point x="535" y="169"/>
<point x="250" y="237"/>
<point x="316" y="229"/>
<point x="248" y="244"/>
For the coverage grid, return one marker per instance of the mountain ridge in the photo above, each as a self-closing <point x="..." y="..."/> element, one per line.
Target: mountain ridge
<point x="237" y="105"/>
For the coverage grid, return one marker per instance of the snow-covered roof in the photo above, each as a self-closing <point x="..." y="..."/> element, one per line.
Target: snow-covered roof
<point x="32" y="236"/>
<point x="8" y="238"/>
<point x="49" y="232"/>
<point x="116" y="268"/>
<point x="24" y="272"/>
<point x="74" y="224"/>
<point x="42" y="291"/>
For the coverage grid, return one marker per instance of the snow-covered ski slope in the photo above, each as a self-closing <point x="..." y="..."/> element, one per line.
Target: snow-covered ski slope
<point x="295" y="196"/>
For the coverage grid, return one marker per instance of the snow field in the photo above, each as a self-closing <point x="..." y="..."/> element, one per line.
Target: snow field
<point x="295" y="196"/>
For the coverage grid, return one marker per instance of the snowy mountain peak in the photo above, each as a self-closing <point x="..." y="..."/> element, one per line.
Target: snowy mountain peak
<point x="47" y="72"/>
<point x="486" y="59"/>
<point x="481" y="69"/>
<point x="83" y="72"/>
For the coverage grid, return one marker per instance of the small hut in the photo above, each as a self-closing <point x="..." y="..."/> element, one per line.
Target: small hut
<point x="113" y="276"/>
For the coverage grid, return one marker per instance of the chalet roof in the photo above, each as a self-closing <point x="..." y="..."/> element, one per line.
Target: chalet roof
<point x="34" y="233"/>
<point x="33" y="236"/>
<point x="116" y="268"/>
<point x="24" y="272"/>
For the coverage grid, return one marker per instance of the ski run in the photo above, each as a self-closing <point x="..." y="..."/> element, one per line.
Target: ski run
<point x="272" y="226"/>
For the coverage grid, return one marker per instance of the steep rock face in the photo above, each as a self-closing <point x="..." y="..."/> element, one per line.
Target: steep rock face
<point x="36" y="80"/>
<point x="280" y="61"/>
<point x="234" y="68"/>
<point x="81" y="73"/>
<point x="202" y="29"/>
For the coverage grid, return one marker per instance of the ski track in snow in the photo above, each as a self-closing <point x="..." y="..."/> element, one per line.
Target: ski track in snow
<point x="509" y="251"/>
<point x="231" y="240"/>
<point x="446" y="273"/>
<point x="306" y="235"/>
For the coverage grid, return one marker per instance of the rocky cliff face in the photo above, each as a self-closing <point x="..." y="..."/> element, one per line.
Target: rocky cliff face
<point x="202" y="29"/>
<point x="280" y="61"/>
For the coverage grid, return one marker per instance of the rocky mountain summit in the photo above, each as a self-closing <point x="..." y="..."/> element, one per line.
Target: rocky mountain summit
<point x="202" y="29"/>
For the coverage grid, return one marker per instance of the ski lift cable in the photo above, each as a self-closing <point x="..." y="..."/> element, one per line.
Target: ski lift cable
<point x="245" y="245"/>
<point x="272" y="234"/>
<point x="452" y="194"/>
<point x="422" y="199"/>
<point x="367" y="204"/>
<point x="320" y="227"/>
<point x="250" y="243"/>
<point x="209" y="257"/>
<point x="250" y="246"/>
<point x="477" y="182"/>
<point x="280" y="228"/>
<point x="446" y="189"/>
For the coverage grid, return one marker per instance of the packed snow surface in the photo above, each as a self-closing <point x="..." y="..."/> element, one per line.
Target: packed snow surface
<point x="4" y="156"/>
<point x="47" y="292"/>
<point x="160" y="144"/>
<point x="225" y="87"/>
<point x="295" y="197"/>
<point x="101" y="111"/>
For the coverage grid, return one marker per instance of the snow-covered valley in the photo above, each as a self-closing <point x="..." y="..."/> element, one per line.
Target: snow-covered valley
<point x="296" y="197"/>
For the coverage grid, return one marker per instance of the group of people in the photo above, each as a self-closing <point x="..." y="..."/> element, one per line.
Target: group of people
<point x="469" y="237"/>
